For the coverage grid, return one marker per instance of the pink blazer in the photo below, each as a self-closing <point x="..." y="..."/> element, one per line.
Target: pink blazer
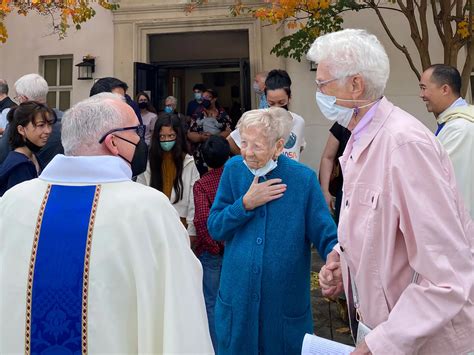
<point x="401" y="213"/>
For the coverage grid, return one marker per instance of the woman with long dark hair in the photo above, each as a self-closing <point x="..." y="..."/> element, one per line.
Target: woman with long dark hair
<point x="171" y="169"/>
<point x="30" y="125"/>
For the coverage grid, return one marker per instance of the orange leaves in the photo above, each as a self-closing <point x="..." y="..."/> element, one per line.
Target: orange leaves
<point x="463" y="29"/>
<point x="75" y="11"/>
<point x="290" y="10"/>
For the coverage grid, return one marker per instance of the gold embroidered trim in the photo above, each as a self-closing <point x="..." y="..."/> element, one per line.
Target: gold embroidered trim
<point x="85" y="283"/>
<point x="31" y="271"/>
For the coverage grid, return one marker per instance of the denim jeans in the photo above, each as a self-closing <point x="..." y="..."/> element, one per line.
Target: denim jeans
<point x="211" y="268"/>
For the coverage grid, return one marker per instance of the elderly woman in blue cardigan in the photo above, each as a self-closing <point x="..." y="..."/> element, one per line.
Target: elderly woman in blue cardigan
<point x="268" y="209"/>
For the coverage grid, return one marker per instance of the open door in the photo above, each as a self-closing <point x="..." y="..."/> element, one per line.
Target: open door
<point x="245" y="85"/>
<point x="153" y="80"/>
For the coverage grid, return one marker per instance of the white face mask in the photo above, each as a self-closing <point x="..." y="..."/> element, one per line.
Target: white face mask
<point x="264" y="170"/>
<point x="333" y="112"/>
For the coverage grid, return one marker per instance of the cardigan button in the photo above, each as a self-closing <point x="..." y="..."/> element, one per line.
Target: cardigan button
<point x="259" y="240"/>
<point x="262" y="213"/>
<point x="255" y="297"/>
<point x="255" y="269"/>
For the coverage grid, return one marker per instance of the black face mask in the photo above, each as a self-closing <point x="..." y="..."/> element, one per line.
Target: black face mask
<point x="206" y="103"/>
<point x="31" y="146"/>
<point x="140" y="157"/>
<point x="143" y="105"/>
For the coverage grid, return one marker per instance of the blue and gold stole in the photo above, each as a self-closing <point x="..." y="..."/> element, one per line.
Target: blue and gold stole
<point x="58" y="276"/>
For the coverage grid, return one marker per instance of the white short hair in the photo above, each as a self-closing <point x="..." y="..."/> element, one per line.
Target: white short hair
<point x="350" y="52"/>
<point x="84" y="124"/>
<point x="173" y="100"/>
<point x="33" y="86"/>
<point x="274" y="122"/>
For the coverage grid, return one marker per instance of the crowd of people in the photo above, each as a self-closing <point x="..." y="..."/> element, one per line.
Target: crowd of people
<point x="124" y="229"/>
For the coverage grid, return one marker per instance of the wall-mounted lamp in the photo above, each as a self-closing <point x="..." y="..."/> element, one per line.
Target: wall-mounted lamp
<point x="312" y="66"/>
<point x="86" y="68"/>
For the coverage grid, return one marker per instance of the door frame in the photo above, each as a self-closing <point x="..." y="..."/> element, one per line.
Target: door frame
<point x="138" y="31"/>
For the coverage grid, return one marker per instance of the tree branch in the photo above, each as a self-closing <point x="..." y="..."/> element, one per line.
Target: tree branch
<point x="402" y="48"/>
<point x="437" y="22"/>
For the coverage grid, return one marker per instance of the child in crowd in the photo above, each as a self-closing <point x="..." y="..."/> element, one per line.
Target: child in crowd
<point x="215" y="152"/>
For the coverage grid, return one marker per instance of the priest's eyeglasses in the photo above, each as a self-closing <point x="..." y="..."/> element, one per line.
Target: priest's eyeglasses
<point x="140" y="130"/>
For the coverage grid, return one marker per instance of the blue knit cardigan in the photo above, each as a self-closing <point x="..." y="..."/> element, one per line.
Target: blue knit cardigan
<point x="263" y="303"/>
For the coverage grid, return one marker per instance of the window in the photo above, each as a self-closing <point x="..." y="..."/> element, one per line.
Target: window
<point x="58" y="74"/>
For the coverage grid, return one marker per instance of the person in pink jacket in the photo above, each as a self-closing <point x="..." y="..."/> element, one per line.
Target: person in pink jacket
<point x="405" y="238"/>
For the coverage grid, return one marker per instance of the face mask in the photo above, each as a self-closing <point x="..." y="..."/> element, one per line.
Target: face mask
<point x="167" y="145"/>
<point x="256" y="88"/>
<point x="333" y="112"/>
<point x="31" y="146"/>
<point x="206" y="103"/>
<point x="143" y="105"/>
<point x="168" y="109"/>
<point x="140" y="157"/>
<point x="198" y="96"/>
<point x="264" y="170"/>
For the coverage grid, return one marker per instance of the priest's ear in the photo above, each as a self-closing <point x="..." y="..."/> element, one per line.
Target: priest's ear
<point x="110" y="144"/>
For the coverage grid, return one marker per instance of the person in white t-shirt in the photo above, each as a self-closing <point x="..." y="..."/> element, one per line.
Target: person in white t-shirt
<point x="278" y="93"/>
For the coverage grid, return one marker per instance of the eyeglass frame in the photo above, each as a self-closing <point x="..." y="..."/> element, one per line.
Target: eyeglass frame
<point x="139" y="130"/>
<point x="320" y="84"/>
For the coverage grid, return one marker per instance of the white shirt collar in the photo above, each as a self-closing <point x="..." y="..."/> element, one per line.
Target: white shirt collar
<point x="86" y="169"/>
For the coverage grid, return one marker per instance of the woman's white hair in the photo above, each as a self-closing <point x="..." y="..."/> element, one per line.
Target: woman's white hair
<point x="33" y="86"/>
<point x="84" y="124"/>
<point x="274" y="123"/>
<point x="350" y="52"/>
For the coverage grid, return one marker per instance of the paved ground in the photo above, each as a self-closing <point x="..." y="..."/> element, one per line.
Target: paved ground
<point x="327" y="315"/>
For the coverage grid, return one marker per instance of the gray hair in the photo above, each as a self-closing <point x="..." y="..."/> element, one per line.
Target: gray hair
<point x="350" y="52"/>
<point x="3" y="87"/>
<point x="173" y="100"/>
<point x="274" y="122"/>
<point x="33" y="86"/>
<point x="84" y="124"/>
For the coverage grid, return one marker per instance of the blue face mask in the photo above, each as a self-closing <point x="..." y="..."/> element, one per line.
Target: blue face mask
<point x="198" y="96"/>
<point x="264" y="170"/>
<point x="168" y="145"/>
<point x="333" y="112"/>
<point x="168" y="109"/>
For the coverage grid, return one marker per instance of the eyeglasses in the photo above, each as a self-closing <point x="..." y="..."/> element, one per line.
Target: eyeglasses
<point x="320" y="84"/>
<point x="140" y="130"/>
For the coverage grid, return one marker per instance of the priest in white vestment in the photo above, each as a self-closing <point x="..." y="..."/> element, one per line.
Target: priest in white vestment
<point x="91" y="262"/>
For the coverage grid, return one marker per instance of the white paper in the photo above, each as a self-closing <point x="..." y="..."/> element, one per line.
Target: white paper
<point x="314" y="345"/>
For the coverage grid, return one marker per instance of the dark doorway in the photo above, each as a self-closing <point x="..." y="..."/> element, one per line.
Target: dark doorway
<point x="180" y="60"/>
